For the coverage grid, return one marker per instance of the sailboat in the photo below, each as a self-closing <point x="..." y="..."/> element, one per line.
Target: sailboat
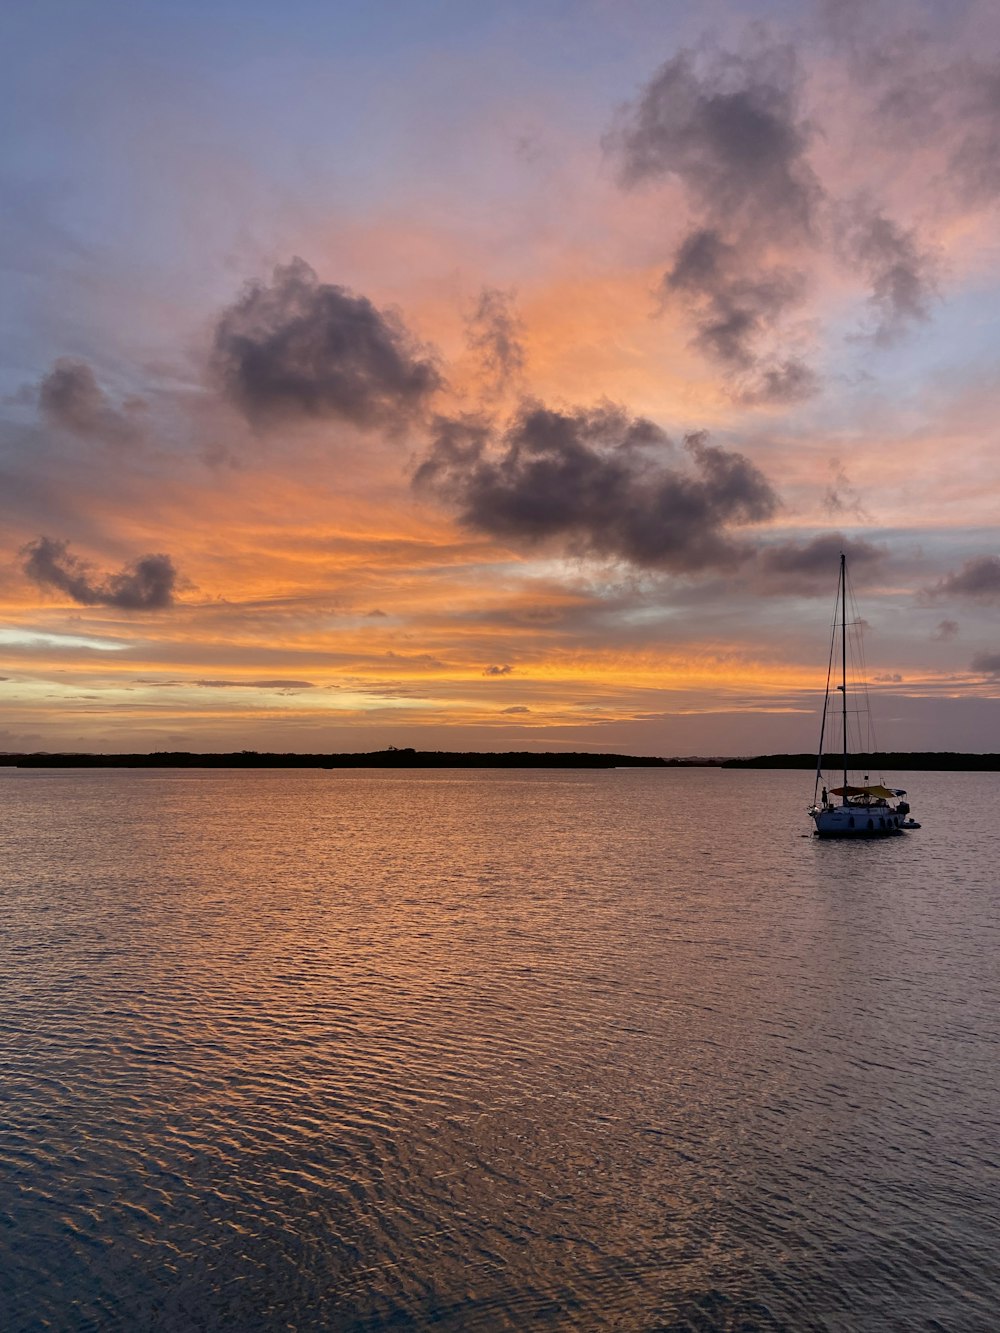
<point x="860" y="810"/>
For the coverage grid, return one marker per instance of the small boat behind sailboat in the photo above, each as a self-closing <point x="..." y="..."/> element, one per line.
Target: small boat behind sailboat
<point x="863" y="810"/>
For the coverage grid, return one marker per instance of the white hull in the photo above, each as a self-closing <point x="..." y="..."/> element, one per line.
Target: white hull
<point x="859" y="821"/>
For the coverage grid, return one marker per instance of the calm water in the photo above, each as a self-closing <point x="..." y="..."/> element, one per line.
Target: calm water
<point x="630" y="1050"/>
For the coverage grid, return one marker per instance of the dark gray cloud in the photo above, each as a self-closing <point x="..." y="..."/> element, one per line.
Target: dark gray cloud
<point x="887" y="678"/>
<point x="70" y="398"/>
<point x="898" y="268"/>
<point x="730" y="128"/>
<point x="595" y="482"/>
<point x="504" y="670"/>
<point x="987" y="663"/>
<point x="731" y="307"/>
<point x="945" y="631"/>
<point x="147" y="584"/>
<point x="516" y="708"/>
<point x="494" y="334"/>
<point x="978" y="578"/>
<point x="69" y="395"/>
<point x="809" y="568"/>
<point x="298" y="347"/>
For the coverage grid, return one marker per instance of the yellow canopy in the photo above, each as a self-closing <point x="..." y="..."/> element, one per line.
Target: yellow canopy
<point x="877" y="790"/>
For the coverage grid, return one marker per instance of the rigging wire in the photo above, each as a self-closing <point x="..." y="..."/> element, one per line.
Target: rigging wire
<point x="826" y="697"/>
<point x="864" y="723"/>
<point x="861" y="738"/>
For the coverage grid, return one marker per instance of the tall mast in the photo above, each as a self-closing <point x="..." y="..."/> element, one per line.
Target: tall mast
<point x="843" y="657"/>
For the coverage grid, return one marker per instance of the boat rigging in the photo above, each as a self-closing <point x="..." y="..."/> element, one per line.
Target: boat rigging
<point x="865" y="809"/>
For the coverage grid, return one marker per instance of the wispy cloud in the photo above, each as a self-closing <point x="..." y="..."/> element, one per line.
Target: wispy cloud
<point x="254" y="684"/>
<point x="901" y="271"/>
<point x="495" y="336"/>
<point x="28" y="639"/>
<point x="808" y="568"/>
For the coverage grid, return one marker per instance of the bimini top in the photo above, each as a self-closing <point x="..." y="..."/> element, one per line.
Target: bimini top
<point x="877" y="790"/>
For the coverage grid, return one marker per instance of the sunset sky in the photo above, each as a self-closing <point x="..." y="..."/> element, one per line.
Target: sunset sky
<point x="496" y="376"/>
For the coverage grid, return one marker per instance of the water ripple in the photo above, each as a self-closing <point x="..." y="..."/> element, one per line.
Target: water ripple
<point x="366" y="1051"/>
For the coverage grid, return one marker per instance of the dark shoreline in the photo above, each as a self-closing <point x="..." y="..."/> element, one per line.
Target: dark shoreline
<point x="409" y="758"/>
<point x="916" y="760"/>
<point x="393" y="758"/>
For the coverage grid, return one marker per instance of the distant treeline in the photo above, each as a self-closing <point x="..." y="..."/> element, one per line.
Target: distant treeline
<point x="407" y="758"/>
<point x="391" y="758"/>
<point x="934" y="760"/>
